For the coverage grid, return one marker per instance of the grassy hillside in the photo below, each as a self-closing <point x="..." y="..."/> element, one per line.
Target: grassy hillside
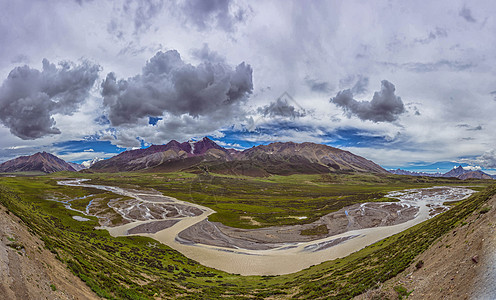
<point x="141" y="268"/>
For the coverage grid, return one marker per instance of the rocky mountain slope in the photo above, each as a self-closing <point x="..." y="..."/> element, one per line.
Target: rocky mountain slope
<point x="320" y="156"/>
<point x="474" y="175"/>
<point x="29" y="271"/>
<point x="206" y="155"/>
<point x="41" y="162"/>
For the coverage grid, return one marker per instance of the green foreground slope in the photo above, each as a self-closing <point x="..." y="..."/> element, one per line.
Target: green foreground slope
<point x="141" y="268"/>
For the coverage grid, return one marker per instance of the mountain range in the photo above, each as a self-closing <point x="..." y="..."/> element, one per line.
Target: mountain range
<point x="205" y="155"/>
<point x="457" y="172"/>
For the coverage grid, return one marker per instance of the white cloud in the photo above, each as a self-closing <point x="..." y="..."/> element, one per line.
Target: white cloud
<point x="472" y="168"/>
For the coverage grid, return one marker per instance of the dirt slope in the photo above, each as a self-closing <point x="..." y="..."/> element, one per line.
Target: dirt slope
<point x="31" y="271"/>
<point x="454" y="267"/>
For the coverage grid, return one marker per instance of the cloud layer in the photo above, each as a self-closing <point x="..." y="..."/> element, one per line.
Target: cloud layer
<point x="385" y="106"/>
<point x="169" y="85"/>
<point x="29" y="97"/>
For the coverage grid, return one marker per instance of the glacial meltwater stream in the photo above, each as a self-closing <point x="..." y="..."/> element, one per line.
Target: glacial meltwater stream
<point x="163" y="218"/>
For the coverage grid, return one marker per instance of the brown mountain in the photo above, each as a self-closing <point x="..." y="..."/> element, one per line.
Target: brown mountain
<point x="206" y="155"/>
<point x="173" y="156"/>
<point x="41" y="161"/>
<point x="317" y="156"/>
<point x="474" y="175"/>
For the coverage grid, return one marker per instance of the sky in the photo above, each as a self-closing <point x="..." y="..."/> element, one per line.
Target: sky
<point x="407" y="84"/>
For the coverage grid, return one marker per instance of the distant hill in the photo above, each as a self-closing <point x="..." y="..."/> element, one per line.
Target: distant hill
<point x="411" y="173"/>
<point x="206" y="155"/>
<point x="41" y="162"/>
<point x="457" y="172"/>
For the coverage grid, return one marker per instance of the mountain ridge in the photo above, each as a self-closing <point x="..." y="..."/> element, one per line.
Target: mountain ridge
<point x="205" y="155"/>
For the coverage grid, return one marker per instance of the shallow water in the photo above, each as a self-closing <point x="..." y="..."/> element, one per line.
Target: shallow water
<point x="289" y="257"/>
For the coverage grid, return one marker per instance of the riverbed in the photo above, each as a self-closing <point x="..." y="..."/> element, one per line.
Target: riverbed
<point x="166" y="220"/>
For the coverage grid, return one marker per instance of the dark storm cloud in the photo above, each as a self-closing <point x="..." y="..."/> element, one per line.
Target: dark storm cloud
<point x="466" y="13"/>
<point x="280" y="108"/>
<point x="168" y="84"/>
<point x="384" y="107"/>
<point x="29" y="97"/>
<point x="318" y="86"/>
<point x="216" y="13"/>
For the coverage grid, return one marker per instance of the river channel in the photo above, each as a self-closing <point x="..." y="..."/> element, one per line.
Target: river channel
<point x="163" y="218"/>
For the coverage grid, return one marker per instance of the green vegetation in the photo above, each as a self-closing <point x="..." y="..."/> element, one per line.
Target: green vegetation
<point x="138" y="267"/>
<point x="402" y="291"/>
<point x="248" y="202"/>
<point x="485" y="209"/>
<point x="317" y="230"/>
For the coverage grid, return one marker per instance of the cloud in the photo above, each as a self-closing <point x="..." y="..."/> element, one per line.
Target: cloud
<point x="470" y="128"/>
<point x="205" y="54"/>
<point x="29" y="98"/>
<point x="437" y="33"/>
<point x="230" y="145"/>
<point x="21" y="58"/>
<point x="89" y="163"/>
<point x="317" y="85"/>
<point x="487" y="160"/>
<point x="142" y="13"/>
<point x="214" y="13"/>
<point x="385" y="106"/>
<point x="168" y="84"/>
<point x="440" y="65"/>
<point x="472" y="168"/>
<point x="466" y="13"/>
<point x="493" y="93"/>
<point x="281" y="108"/>
<point x="361" y="85"/>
